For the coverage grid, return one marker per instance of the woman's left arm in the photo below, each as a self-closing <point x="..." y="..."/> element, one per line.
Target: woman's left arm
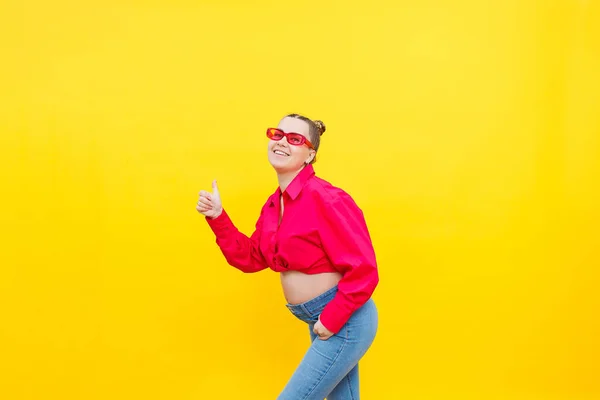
<point x="347" y="243"/>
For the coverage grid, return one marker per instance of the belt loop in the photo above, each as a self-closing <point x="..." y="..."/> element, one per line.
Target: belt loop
<point x="305" y="310"/>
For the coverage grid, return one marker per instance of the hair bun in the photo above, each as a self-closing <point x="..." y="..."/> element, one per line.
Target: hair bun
<point x="320" y="126"/>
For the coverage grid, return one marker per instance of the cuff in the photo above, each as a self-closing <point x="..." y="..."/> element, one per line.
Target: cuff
<point x="221" y="224"/>
<point x="335" y="315"/>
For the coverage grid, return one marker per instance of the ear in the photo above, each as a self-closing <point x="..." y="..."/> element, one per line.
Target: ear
<point x="311" y="156"/>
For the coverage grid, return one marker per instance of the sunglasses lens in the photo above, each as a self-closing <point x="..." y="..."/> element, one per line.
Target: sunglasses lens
<point x="274" y="134"/>
<point x="295" y="139"/>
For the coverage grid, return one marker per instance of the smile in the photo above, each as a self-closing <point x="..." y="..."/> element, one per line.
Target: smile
<point x="281" y="153"/>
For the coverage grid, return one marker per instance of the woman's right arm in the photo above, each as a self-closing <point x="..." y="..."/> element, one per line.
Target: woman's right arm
<point x="240" y="251"/>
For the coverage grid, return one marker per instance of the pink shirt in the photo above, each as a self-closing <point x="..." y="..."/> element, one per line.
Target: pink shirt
<point x="322" y="230"/>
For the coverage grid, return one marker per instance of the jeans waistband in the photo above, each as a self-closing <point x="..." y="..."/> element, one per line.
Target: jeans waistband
<point x="311" y="309"/>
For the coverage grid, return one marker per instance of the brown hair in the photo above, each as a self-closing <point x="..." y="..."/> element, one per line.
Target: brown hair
<point x="316" y="128"/>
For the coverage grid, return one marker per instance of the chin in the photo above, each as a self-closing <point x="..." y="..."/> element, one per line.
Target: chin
<point x="282" y="166"/>
<point x="279" y="167"/>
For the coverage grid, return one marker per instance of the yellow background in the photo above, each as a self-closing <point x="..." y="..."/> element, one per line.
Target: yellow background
<point x="467" y="131"/>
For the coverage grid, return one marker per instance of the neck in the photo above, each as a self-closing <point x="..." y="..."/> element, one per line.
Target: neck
<point x="285" y="178"/>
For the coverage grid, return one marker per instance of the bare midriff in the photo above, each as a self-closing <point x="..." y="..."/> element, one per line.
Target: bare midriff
<point x="299" y="287"/>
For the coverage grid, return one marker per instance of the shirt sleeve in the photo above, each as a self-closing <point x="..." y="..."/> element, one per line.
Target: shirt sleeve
<point x="240" y="251"/>
<point x="347" y="243"/>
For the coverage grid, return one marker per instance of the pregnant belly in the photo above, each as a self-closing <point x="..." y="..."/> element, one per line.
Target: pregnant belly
<point x="299" y="287"/>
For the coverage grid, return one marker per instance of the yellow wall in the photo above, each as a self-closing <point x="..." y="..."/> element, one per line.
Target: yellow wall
<point x="468" y="131"/>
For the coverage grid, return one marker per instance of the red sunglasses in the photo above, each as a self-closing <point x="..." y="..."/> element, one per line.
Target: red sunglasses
<point x="294" y="139"/>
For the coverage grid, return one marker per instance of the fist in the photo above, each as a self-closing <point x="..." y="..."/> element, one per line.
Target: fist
<point x="321" y="332"/>
<point x="209" y="204"/>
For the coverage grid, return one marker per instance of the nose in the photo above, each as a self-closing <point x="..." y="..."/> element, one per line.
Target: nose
<point x="283" y="141"/>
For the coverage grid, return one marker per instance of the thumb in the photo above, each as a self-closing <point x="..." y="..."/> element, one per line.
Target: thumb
<point x="215" y="188"/>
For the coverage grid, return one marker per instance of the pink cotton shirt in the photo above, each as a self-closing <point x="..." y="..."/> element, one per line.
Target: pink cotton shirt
<point x="322" y="230"/>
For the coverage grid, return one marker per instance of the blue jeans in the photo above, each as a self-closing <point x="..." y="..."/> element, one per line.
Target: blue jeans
<point x="330" y="367"/>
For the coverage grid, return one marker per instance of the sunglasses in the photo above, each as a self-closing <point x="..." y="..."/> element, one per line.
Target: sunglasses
<point x="294" y="139"/>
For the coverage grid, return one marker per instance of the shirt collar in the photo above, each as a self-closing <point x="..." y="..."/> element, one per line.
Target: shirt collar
<point x="296" y="185"/>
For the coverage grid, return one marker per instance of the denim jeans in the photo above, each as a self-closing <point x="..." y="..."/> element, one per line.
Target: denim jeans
<point x="330" y="367"/>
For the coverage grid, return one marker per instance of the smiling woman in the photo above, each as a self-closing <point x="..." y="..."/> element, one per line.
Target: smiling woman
<point x="316" y="237"/>
<point x="312" y="138"/>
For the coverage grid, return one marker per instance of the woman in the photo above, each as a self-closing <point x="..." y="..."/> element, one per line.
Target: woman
<point x="316" y="237"/>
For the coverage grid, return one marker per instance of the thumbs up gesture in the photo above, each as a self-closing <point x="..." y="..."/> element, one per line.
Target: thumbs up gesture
<point x="209" y="204"/>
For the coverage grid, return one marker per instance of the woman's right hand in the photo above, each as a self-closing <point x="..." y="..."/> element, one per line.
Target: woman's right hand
<point x="209" y="204"/>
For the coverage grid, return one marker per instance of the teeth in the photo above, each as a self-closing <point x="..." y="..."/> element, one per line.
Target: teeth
<point x="281" y="153"/>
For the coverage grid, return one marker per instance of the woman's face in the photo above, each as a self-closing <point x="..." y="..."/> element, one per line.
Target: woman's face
<point x="285" y="157"/>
